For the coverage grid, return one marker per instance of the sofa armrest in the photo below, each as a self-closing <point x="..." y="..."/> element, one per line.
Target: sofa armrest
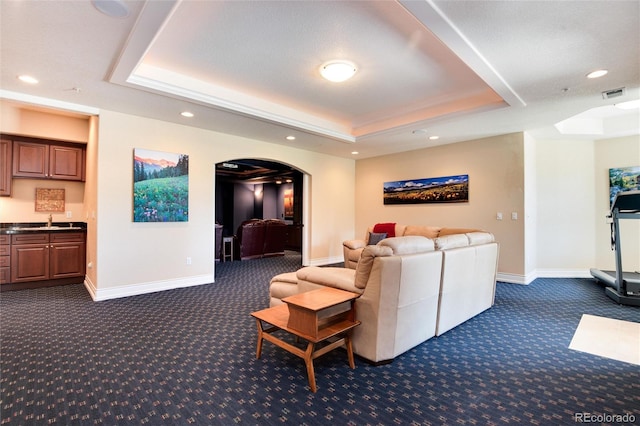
<point x="340" y="278"/>
<point x="354" y="244"/>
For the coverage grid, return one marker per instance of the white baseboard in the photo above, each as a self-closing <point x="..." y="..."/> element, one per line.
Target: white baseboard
<point x="143" y="288"/>
<point x="563" y="273"/>
<point x="542" y="273"/>
<point x="513" y="278"/>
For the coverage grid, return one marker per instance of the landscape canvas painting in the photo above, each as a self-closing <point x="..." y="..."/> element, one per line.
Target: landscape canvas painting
<point x="446" y="189"/>
<point x="160" y="186"/>
<point x="623" y="179"/>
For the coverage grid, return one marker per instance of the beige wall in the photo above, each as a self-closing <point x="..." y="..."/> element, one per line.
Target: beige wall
<point x="43" y="124"/>
<point x="558" y="188"/>
<point x="496" y="184"/>
<point x="20" y="207"/>
<point x="91" y="202"/>
<point x="139" y="257"/>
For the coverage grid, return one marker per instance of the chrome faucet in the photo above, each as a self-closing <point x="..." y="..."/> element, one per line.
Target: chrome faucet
<point x="49" y="221"/>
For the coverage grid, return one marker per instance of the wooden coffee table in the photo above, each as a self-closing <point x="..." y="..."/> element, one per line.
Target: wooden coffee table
<point x="310" y="316"/>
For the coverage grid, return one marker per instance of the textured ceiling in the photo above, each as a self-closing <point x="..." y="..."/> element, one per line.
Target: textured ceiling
<point x="457" y="69"/>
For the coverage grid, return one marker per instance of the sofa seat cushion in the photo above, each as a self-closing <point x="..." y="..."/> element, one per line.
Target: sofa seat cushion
<point x="410" y="244"/>
<point x="283" y="285"/>
<point x="423" y="231"/>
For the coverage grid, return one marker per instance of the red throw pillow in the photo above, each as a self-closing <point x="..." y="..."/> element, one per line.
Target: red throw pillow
<point x="387" y="228"/>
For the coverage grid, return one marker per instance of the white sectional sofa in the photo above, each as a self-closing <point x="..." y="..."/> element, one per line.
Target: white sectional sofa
<point x="411" y="288"/>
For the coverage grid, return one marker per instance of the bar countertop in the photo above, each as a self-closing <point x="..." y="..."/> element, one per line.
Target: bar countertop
<point x="30" y="227"/>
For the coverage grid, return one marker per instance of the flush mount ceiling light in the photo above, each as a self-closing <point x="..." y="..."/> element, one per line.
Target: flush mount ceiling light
<point x="112" y="8"/>
<point x="597" y="73"/>
<point x="28" y="79"/>
<point x="338" y="71"/>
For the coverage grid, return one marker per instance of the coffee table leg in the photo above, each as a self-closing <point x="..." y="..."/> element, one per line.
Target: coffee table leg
<point x="259" y="346"/>
<point x="308" y="360"/>
<point x="347" y="342"/>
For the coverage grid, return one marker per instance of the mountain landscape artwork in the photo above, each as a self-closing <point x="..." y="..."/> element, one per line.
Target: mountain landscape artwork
<point x="160" y="186"/>
<point x="446" y="189"/>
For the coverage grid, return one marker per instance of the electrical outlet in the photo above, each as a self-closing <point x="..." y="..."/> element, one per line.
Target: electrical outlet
<point x="499" y="216"/>
<point x="188" y="261"/>
<point x="514" y="215"/>
<point x="69" y="215"/>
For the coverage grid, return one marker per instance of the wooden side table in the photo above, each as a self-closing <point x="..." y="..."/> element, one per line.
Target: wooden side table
<point x="308" y="316"/>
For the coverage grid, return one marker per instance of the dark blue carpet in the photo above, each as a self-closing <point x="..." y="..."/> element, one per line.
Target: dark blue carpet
<point x="187" y="356"/>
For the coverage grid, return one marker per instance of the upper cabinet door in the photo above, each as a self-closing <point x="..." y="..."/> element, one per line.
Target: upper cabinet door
<point x="5" y="167"/>
<point x="65" y="162"/>
<point x="48" y="160"/>
<point x="30" y="159"/>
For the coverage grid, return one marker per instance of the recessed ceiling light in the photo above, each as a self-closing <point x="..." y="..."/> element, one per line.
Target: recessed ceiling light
<point x="28" y="79"/>
<point x="597" y="73"/>
<point x="434" y="137"/>
<point x="338" y="71"/>
<point x="112" y="8"/>
<point x="355" y="152"/>
<point x="187" y="114"/>
<point x="629" y="104"/>
<point x="291" y="138"/>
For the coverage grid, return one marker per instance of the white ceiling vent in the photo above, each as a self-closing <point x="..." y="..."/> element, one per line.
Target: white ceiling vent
<point x="608" y="94"/>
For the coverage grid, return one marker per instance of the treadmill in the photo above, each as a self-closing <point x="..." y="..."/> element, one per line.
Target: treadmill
<point x="623" y="287"/>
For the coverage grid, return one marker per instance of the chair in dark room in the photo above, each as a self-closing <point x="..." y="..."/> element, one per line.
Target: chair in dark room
<point x="250" y="239"/>
<point x="275" y="236"/>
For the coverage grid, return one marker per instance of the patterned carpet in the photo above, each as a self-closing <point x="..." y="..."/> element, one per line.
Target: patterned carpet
<point x="187" y="356"/>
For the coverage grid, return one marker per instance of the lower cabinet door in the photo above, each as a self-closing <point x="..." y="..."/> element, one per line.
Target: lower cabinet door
<point x="67" y="260"/>
<point x="29" y="262"/>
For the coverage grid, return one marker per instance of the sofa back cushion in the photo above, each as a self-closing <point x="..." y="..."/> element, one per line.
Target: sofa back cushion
<point x="409" y="244"/>
<point x="451" y="241"/>
<point x="424" y="231"/>
<point x="477" y="238"/>
<point x="366" y="263"/>
<point x="451" y="231"/>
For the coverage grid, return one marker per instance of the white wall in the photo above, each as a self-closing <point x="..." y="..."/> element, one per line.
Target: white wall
<point x="572" y="202"/>
<point x="139" y="257"/>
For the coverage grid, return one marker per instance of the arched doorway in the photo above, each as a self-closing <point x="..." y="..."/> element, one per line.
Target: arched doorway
<point x="250" y="188"/>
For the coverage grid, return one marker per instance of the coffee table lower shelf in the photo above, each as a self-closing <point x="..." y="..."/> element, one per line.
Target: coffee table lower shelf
<point x="278" y="317"/>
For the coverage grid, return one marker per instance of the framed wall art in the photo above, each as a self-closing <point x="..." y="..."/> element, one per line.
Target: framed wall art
<point x="160" y="186"/>
<point x="623" y="179"/>
<point x="50" y="200"/>
<point x="445" y="189"/>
